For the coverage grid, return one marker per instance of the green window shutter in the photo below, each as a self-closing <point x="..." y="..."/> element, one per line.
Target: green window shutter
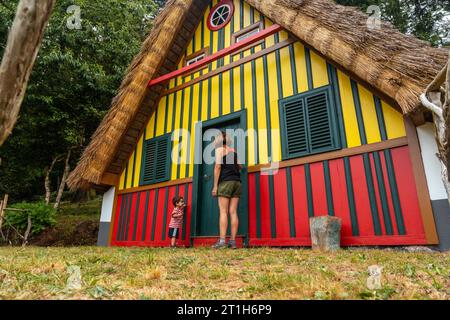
<point x="156" y="160"/>
<point x="319" y="122"/>
<point x="308" y="124"/>
<point x="295" y="124"/>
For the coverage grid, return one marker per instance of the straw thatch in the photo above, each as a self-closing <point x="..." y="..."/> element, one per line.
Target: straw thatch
<point x="106" y="139"/>
<point x="395" y="64"/>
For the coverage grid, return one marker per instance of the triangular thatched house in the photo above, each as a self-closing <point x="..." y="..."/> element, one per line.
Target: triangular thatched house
<point x="326" y="98"/>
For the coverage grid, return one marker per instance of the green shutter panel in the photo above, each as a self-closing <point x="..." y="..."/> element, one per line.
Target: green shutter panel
<point x="156" y="160"/>
<point x="308" y="123"/>
<point x="295" y="126"/>
<point x="319" y="122"/>
<point x="161" y="160"/>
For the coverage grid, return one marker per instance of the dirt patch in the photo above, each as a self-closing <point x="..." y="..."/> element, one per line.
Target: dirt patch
<point x="82" y="233"/>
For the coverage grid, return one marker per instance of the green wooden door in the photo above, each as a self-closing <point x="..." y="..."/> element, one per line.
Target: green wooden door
<point x="208" y="215"/>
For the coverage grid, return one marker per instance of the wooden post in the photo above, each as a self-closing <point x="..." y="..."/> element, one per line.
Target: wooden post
<point x="325" y="233"/>
<point x="3" y="205"/>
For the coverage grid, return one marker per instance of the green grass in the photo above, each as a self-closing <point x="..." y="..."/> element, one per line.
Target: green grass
<point x="133" y="273"/>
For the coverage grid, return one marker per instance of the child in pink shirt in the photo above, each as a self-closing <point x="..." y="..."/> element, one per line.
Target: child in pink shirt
<point x="176" y="221"/>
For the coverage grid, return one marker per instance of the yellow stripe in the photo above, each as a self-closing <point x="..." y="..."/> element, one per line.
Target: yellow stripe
<point x="186" y="138"/>
<point x="270" y="41"/>
<point x="246" y="14"/>
<point x="319" y="70"/>
<point x="170" y="113"/>
<point x="300" y="65"/>
<point x="286" y="72"/>
<point x="207" y="40"/>
<point x="161" y="117"/>
<point x="122" y="180"/>
<point x="227" y="42"/>
<point x="395" y="126"/>
<point x="175" y="152"/>
<point x="190" y="48"/>
<point x="274" y="113"/>
<point x="195" y="92"/>
<point x="205" y="100"/>
<point x="130" y="171"/>
<point x="249" y="106"/>
<point x="151" y="127"/>
<point x="262" y="117"/>
<point x="237" y="88"/>
<point x="215" y="97"/>
<point x="283" y="35"/>
<point x="369" y="115"/>
<point x="348" y="110"/>
<point x="198" y="38"/>
<point x="176" y="141"/>
<point x="137" y="172"/>
<point x="226" y="106"/>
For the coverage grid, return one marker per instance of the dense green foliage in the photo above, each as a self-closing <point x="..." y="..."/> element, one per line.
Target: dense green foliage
<point x="41" y="215"/>
<point x="76" y="75"/>
<point x="428" y="20"/>
<point x="78" y="72"/>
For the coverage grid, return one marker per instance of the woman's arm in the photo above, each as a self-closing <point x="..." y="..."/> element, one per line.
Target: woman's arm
<point x="217" y="169"/>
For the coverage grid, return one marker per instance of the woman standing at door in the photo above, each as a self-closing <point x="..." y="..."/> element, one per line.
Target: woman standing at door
<point x="228" y="188"/>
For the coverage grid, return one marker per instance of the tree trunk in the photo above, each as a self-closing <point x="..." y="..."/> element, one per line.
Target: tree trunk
<point x="22" y="47"/>
<point x="48" y="190"/>
<point x="63" y="181"/>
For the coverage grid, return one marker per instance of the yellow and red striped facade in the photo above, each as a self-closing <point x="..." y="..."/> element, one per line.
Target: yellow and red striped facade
<point x="372" y="189"/>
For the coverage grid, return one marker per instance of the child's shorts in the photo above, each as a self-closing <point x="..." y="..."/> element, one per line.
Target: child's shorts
<point x="174" y="233"/>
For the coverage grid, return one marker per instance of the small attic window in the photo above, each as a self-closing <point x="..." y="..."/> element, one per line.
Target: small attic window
<point x="220" y="15"/>
<point x="196" y="59"/>
<point x="248" y="34"/>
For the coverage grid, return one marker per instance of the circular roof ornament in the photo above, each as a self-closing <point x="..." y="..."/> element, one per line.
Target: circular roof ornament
<point x="220" y="15"/>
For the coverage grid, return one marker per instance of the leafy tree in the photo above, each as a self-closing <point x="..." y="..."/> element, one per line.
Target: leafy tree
<point x="428" y="20"/>
<point x="77" y="73"/>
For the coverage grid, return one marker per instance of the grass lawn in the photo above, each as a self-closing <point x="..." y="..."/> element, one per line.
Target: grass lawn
<point x="117" y="273"/>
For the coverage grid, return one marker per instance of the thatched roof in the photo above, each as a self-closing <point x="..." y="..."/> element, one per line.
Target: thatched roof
<point x="395" y="64"/>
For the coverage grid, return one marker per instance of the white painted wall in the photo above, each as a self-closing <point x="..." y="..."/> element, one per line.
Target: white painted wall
<point x="107" y="205"/>
<point x="430" y="161"/>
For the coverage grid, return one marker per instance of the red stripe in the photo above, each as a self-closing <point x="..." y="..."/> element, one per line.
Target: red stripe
<point x="340" y="197"/>
<point x="281" y="204"/>
<point x="407" y="192"/>
<point x="170" y="208"/>
<point x="151" y="201"/>
<point x="319" y="191"/>
<point x="181" y="190"/>
<point x="265" y="207"/>
<point x="188" y="215"/>
<point x="252" y="205"/>
<point x="131" y="217"/>
<point x="160" y="214"/>
<point x="300" y="201"/>
<point x="388" y="193"/>
<point x="377" y="195"/>
<point x="116" y="219"/>
<point x="362" y="201"/>
<point x="141" y="216"/>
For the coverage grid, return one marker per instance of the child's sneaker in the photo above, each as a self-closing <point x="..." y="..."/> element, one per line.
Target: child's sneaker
<point x="220" y="244"/>
<point x="232" y="244"/>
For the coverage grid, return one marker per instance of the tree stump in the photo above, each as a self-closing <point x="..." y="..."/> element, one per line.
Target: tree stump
<point x="325" y="233"/>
